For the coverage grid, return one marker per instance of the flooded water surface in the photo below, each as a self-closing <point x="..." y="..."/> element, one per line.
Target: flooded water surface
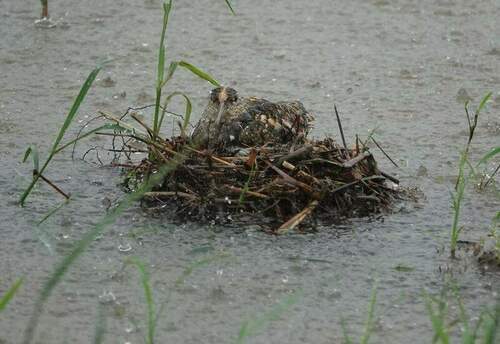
<point x="404" y="67"/>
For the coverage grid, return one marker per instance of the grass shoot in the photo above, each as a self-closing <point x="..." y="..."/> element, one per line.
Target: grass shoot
<point x="463" y="175"/>
<point x="7" y="297"/>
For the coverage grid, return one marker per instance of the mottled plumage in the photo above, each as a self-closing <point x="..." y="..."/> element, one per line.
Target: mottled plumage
<point x="230" y="121"/>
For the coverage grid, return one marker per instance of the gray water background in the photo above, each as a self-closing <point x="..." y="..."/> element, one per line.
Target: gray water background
<point x="399" y="65"/>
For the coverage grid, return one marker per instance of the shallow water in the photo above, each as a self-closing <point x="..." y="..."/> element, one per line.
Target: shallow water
<point x="403" y="66"/>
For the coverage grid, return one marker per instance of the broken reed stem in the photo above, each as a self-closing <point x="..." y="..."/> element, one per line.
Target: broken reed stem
<point x="383" y="151"/>
<point x="290" y="179"/>
<point x="161" y="194"/>
<point x="238" y="190"/>
<point x="296" y="154"/>
<point x="341" y="130"/>
<point x="298" y="218"/>
<point x="212" y="157"/>
<point x="150" y="132"/>
<point x="355" y="160"/>
<point x="55" y="187"/>
<point x="391" y="178"/>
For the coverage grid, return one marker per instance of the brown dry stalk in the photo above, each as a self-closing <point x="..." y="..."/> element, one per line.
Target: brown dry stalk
<point x="297" y="219"/>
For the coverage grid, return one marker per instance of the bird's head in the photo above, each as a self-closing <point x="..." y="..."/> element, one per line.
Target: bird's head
<point x="223" y="97"/>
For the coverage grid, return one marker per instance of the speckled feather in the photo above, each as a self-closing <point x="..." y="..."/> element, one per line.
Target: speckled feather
<point x="251" y="121"/>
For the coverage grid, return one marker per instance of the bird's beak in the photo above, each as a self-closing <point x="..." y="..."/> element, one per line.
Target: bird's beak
<point x="221" y="111"/>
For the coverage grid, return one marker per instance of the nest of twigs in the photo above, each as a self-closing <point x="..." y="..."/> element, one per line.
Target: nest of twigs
<point x="282" y="186"/>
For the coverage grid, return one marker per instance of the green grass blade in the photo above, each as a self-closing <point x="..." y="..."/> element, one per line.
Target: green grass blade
<point x="69" y="118"/>
<point x="492" y="326"/>
<point x="62" y="267"/>
<point x="488" y="156"/>
<point x="437" y="319"/>
<point x="251" y="327"/>
<point x="369" y="319"/>
<point x="241" y="199"/>
<point x="370" y="135"/>
<point x="187" y="112"/>
<point x="4" y="300"/>
<point x="161" y="53"/>
<point x="483" y="102"/>
<point x="33" y="152"/>
<point x="52" y="212"/>
<point x="228" y="3"/>
<point x="148" y="294"/>
<point x="170" y="72"/>
<point x="345" y="332"/>
<point x="161" y="65"/>
<point x="198" y="72"/>
<point x="76" y="105"/>
<point x="468" y="334"/>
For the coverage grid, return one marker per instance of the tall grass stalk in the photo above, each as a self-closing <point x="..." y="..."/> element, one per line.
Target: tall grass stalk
<point x="162" y="79"/>
<point x="161" y="68"/>
<point x="463" y="177"/>
<point x="253" y="326"/>
<point x="7" y="297"/>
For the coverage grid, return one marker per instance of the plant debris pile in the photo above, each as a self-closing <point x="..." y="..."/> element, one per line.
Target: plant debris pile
<point x="279" y="186"/>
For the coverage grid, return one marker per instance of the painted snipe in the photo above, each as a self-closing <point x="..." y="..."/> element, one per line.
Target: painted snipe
<point x="230" y="121"/>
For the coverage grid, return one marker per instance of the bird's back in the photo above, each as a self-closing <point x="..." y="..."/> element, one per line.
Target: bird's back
<point x="250" y="121"/>
<point x="263" y="121"/>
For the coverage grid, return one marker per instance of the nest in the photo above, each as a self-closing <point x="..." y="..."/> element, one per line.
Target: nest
<point x="279" y="187"/>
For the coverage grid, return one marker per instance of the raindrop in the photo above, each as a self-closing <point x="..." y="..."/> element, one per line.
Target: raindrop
<point x="125" y="248"/>
<point x="45" y="23"/>
<point x="107" y="297"/>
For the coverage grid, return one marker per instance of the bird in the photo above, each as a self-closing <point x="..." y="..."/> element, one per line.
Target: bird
<point x="231" y="121"/>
